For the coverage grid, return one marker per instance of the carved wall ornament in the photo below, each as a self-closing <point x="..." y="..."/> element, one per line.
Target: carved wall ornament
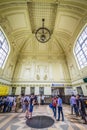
<point x="45" y="77"/>
<point x="37" y="77"/>
<point x="5" y="25"/>
<point x="3" y="19"/>
<point x="84" y="20"/>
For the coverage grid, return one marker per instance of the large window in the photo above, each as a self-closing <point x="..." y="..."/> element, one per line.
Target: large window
<point x="4" y="48"/>
<point x="80" y="49"/>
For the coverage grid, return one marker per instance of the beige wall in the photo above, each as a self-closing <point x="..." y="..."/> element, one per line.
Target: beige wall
<point x="35" y="70"/>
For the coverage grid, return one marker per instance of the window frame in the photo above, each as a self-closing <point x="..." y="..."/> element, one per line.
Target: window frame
<point x="5" y="48"/>
<point x="81" y="62"/>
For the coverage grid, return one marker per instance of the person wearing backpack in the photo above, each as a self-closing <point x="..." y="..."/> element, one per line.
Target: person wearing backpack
<point x="54" y="104"/>
<point x="60" y="109"/>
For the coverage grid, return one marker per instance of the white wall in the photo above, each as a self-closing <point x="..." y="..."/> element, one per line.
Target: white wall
<point x="47" y="90"/>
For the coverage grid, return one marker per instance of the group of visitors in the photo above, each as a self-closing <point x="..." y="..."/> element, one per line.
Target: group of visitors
<point x="78" y="106"/>
<point x="13" y="103"/>
<point x="10" y="103"/>
<point x="27" y="103"/>
<point x="57" y="105"/>
<point x="6" y="103"/>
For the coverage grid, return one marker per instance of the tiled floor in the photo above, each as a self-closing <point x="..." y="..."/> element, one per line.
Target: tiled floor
<point x="17" y="121"/>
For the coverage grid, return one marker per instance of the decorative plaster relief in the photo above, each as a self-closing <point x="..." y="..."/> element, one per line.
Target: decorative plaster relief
<point x="5" y="25"/>
<point x="71" y="7"/>
<point x="42" y="72"/>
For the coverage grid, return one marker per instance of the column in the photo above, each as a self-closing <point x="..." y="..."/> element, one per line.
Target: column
<point x="27" y="91"/>
<point x="18" y="91"/>
<point x="10" y="90"/>
<point x="36" y="90"/>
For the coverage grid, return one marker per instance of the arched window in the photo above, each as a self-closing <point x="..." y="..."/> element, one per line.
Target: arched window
<point x="80" y="49"/>
<point x="4" y="48"/>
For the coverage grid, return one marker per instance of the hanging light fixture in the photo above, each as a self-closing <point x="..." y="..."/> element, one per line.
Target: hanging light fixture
<point x="42" y="34"/>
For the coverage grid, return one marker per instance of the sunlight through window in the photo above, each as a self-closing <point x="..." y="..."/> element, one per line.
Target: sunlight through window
<point x="80" y="49"/>
<point x="4" y="49"/>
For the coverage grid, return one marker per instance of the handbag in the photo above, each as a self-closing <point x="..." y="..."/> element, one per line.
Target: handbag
<point x="50" y="105"/>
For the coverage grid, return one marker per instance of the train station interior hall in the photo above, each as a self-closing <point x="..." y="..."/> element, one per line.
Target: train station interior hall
<point x="43" y="57"/>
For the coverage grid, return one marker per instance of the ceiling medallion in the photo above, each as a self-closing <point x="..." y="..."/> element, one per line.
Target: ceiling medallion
<point x="42" y="34"/>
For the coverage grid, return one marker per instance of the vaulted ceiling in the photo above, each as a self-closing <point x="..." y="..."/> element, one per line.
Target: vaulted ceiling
<point x="21" y="18"/>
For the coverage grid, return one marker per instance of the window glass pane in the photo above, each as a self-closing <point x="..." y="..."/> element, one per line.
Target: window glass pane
<point x="86" y="53"/>
<point x="0" y="44"/>
<point x="77" y="48"/>
<point x="84" y="47"/>
<point x="0" y="32"/>
<point x="2" y="38"/>
<point x="1" y="61"/>
<point x="86" y="29"/>
<point x="80" y="39"/>
<point x="3" y="53"/>
<point x="1" y="65"/>
<point x="84" y="35"/>
<point x="3" y="57"/>
<point x="4" y="46"/>
<point x="0" y="54"/>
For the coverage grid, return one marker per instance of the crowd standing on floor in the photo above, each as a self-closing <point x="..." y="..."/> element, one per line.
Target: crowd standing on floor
<point x="78" y="106"/>
<point x="76" y="103"/>
<point x="13" y="103"/>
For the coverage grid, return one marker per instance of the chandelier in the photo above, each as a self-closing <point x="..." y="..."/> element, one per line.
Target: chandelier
<point x="42" y="34"/>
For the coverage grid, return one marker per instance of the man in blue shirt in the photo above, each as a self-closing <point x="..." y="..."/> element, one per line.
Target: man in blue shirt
<point x="60" y="110"/>
<point x="73" y="104"/>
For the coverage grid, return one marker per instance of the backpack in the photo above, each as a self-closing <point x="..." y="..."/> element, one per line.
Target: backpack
<point x="54" y="103"/>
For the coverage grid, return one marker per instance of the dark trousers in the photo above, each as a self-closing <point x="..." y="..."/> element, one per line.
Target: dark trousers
<point x="54" y="111"/>
<point x="42" y="102"/>
<point x="60" y="111"/>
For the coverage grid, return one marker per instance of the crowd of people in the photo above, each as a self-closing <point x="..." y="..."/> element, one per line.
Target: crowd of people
<point x="6" y="103"/>
<point x="28" y="102"/>
<point x="78" y="106"/>
<point x="14" y="103"/>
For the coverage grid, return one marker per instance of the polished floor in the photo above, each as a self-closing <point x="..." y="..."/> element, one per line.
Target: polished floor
<point x="17" y="121"/>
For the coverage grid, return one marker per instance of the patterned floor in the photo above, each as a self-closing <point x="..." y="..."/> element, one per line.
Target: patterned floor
<point x="17" y="121"/>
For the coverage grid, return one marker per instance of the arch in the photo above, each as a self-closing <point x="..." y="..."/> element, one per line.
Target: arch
<point x="4" y="48"/>
<point x="80" y="48"/>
